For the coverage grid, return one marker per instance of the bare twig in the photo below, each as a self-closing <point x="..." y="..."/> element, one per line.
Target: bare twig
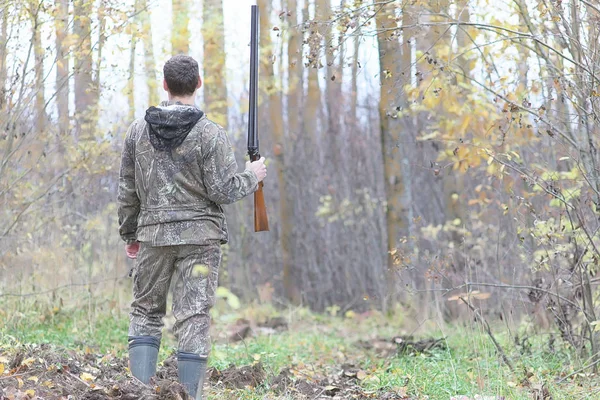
<point x="488" y="330"/>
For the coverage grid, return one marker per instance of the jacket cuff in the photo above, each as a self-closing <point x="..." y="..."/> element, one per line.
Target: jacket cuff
<point x="253" y="180"/>
<point x="129" y="239"/>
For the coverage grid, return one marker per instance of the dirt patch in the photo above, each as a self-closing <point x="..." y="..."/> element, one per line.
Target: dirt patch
<point x="277" y="323"/>
<point x="402" y="345"/>
<point x="239" y="377"/>
<point x="342" y="384"/>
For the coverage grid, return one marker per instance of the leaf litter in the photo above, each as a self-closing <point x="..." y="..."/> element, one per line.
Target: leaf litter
<point x="46" y="372"/>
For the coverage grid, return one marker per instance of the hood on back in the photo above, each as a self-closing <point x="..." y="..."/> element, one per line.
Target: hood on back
<point x="170" y="123"/>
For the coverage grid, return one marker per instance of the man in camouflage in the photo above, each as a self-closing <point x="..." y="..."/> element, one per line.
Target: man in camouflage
<point x="177" y="169"/>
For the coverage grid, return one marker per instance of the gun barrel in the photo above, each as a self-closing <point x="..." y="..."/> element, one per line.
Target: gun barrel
<point x="253" y="151"/>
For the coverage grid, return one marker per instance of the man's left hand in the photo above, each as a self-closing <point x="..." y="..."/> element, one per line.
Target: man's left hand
<point x="132" y="249"/>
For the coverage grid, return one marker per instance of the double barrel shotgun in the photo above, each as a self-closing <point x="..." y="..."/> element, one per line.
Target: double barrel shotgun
<point x="261" y="222"/>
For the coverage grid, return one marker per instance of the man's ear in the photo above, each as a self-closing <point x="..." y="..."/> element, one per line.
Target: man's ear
<point x="199" y="82"/>
<point x="165" y="85"/>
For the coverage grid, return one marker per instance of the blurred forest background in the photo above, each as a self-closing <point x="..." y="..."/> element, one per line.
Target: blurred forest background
<point x="420" y="152"/>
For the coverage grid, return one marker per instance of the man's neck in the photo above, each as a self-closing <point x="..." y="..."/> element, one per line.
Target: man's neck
<point x="189" y="100"/>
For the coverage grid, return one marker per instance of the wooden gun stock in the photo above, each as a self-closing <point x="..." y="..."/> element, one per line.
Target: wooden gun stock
<point x="261" y="221"/>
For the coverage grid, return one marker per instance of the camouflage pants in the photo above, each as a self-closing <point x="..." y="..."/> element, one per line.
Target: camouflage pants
<point x="195" y="271"/>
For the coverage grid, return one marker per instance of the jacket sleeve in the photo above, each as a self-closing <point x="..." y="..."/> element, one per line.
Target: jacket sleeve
<point x="223" y="184"/>
<point x="127" y="198"/>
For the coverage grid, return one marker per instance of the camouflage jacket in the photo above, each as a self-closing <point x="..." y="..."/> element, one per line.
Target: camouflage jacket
<point x="177" y="168"/>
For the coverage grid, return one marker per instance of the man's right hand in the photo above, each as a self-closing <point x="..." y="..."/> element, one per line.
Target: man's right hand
<point x="258" y="167"/>
<point x="132" y="249"/>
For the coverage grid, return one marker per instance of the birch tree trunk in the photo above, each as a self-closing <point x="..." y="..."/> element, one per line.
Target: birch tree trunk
<point x="149" y="61"/>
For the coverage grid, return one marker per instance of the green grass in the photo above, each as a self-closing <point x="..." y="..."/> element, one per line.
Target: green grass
<point x="319" y="344"/>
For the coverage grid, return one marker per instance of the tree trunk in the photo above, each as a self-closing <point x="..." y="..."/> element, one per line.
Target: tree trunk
<point x="273" y="103"/>
<point x="180" y="34"/>
<point x="391" y="59"/>
<point x="215" y="82"/>
<point x="354" y="78"/>
<point x="84" y="83"/>
<point x="453" y="181"/>
<point x="333" y="92"/>
<point x="3" y="53"/>
<point x="149" y="62"/>
<point x="62" y="65"/>
<point x="38" y="51"/>
<point x="294" y="53"/>
<point x="98" y="69"/>
<point x="313" y="96"/>
<point x="131" y="78"/>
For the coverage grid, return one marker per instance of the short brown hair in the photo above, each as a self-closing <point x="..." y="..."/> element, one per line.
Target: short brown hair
<point x="181" y="73"/>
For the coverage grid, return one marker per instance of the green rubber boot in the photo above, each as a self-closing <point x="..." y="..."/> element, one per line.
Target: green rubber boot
<point x="191" y="369"/>
<point x="143" y="354"/>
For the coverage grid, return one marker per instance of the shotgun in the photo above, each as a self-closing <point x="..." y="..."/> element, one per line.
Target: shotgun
<point x="261" y="222"/>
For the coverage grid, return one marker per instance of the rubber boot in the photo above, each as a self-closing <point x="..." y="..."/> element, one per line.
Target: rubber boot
<point x="191" y="369"/>
<point x="143" y="354"/>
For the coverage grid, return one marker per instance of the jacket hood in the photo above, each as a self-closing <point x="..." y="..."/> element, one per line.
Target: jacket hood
<point x="170" y="123"/>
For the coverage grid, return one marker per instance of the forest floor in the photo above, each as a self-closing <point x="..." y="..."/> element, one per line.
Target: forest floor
<point x="261" y="353"/>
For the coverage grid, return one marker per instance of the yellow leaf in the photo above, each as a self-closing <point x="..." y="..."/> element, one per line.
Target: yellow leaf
<point x="30" y="393"/>
<point x="28" y="362"/>
<point x="33" y="379"/>
<point x="1" y="369"/>
<point x="87" y="377"/>
<point x="20" y="383"/>
<point x="465" y="124"/>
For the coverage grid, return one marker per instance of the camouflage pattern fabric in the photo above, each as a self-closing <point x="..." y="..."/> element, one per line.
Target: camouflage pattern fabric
<point x="195" y="271"/>
<point x="174" y="196"/>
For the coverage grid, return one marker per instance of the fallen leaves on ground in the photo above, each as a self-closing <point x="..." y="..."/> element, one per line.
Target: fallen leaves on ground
<point x="46" y="372"/>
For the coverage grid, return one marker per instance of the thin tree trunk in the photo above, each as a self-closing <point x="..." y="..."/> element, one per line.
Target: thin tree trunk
<point x="180" y="34"/>
<point x="453" y="181"/>
<point x="149" y="62"/>
<point x="100" y="45"/>
<point x="273" y="103"/>
<point x="295" y="71"/>
<point x="131" y="78"/>
<point x="215" y="82"/>
<point x="354" y="78"/>
<point x="313" y="96"/>
<point x="335" y="101"/>
<point x="38" y="51"/>
<point x="84" y="84"/>
<point x="292" y="291"/>
<point x="3" y="53"/>
<point x="390" y="70"/>
<point x="62" y="65"/>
